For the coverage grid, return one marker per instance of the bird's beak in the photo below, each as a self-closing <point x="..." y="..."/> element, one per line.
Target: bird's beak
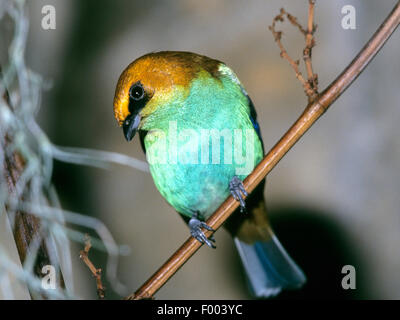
<point x="131" y="125"/>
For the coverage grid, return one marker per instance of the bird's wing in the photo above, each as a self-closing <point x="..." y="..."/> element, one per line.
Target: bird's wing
<point x="226" y="71"/>
<point x="142" y="134"/>
<point x="253" y="116"/>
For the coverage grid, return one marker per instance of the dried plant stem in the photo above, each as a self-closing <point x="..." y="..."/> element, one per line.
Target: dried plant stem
<point x="84" y="255"/>
<point x="294" y="64"/>
<point x="312" y="112"/>
<point x="310" y="85"/>
<point x="310" y="43"/>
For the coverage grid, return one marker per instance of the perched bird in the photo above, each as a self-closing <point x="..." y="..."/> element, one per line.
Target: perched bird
<point x="183" y="105"/>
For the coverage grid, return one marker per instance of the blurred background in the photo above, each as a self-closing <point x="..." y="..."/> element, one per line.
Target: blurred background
<point x="334" y="198"/>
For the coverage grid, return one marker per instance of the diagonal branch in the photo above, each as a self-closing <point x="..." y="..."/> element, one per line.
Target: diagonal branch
<point x="312" y="112"/>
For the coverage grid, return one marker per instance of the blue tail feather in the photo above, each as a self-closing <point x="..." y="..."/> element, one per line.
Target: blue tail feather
<point x="269" y="268"/>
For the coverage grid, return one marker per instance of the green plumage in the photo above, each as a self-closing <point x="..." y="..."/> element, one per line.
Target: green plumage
<point x="196" y="177"/>
<point x="199" y="130"/>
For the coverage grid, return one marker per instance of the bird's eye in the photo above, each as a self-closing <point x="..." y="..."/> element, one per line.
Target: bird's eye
<point x="136" y="92"/>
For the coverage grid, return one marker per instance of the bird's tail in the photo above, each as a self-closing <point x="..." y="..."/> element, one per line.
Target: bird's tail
<point x="269" y="268"/>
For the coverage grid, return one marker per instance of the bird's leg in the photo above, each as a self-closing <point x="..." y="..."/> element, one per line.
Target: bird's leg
<point x="236" y="188"/>
<point x="195" y="226"/>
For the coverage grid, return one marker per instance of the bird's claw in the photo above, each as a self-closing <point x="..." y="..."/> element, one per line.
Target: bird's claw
<point x="195" y="226"/>
<point x="236" y="188"/>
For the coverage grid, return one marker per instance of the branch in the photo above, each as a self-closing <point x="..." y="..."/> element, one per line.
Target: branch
<point x="310" y="43"/>
<point x="84" y="255"/>
<point x="310" y="85"/>
<point x="312" y="112"/>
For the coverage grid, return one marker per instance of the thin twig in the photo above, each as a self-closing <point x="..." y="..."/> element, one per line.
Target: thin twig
<point x="310" y="43"/>
<point x="312" y="112"/>
<point x="84" y="255"/>
<point x="295" y="64"/>
<point x="293" y="20"/>
<point x="310" y="85"/>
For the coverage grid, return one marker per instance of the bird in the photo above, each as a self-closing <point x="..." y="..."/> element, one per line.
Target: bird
<point x="183" y="105"/>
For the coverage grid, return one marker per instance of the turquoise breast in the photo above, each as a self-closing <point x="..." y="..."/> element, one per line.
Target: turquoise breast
<point x="205" y="142"/>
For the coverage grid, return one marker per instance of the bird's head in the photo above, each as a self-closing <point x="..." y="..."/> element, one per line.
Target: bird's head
<point x="149" y="82"/>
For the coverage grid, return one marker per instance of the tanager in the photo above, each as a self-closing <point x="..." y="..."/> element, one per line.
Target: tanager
<point x="199" y="130"/>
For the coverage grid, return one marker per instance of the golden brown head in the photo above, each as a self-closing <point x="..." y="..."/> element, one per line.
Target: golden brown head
<point x="153" y="77"/>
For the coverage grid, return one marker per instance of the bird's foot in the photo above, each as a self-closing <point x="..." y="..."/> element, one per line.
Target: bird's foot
<point x="237" y="190"/>
<point x="195" y="226"/>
